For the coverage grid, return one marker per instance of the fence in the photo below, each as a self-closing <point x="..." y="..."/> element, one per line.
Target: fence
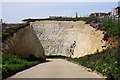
<point x="111" y="19"/>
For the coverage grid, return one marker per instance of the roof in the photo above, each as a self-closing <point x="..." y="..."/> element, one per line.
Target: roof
<point x="117" y="7"/>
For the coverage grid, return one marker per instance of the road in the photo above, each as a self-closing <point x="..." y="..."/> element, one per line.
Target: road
<point x="56" y="68"/>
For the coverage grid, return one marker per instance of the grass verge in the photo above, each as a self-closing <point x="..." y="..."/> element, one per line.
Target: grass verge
<point x="9" y="29"/>
<point x="106" y="62"/>
<point x="13" y="63"/>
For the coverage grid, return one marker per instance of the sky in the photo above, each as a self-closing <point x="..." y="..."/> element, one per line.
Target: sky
<point x="13" y="12"/>
<point x="59" y="0"/>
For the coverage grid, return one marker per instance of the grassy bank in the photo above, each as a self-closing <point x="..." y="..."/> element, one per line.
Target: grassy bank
<point x="9" y="29"/>
<point x="13" y="63"/>
<point x="105" y="62"/>
<point x="111" y="28"/>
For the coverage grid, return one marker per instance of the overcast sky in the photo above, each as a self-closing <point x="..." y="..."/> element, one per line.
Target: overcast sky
<point x="16" y="11"/>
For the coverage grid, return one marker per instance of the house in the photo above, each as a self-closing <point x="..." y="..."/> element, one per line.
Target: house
<point x="116" y="11"/>
<point x="109" y="13"/>
<point x="56" y="17"/>
<point x="98" y="14"/>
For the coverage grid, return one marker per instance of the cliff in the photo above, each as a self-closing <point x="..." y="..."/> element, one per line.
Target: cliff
<point x="70" y="38"/>
<point x="25" y="43"/>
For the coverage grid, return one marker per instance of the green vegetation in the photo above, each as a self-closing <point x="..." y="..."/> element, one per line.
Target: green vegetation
<point x="53" y="19"/>
<point x="111" y="28"/>
<point x="61" y="19"/>
<point x="105" y="62"/>
<point x="11" y="28"/>
<point x="13" y="63"/>
<point x="0" y="62"/>
<point x="56" y="56"/>
<point x="88" y="19"/>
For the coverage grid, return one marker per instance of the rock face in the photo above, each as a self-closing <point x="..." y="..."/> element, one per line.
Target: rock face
<point x="69" y="38"/>
<point x="25" y="43"/>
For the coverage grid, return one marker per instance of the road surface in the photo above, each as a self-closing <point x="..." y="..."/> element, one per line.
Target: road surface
<point x="56" y="68"/>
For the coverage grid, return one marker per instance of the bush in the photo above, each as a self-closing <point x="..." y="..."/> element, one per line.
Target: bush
<point x="105" y="62"/>
<point x="9" y="29"/>
<point x="13" y="63"/>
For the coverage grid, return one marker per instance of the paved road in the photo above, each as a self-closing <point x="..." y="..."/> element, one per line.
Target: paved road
<point x="56" y="68"/>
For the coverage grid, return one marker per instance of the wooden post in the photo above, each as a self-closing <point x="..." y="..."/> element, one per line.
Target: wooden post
<point x="114" y="19"/>
<point x="119" y="20"/>
<point x="111" y="18"/>
<point x="105" y="18"/>
<point x="108" y="18"/>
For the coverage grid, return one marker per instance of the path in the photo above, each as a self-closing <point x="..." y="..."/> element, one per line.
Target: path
<point x="56" y="68"/>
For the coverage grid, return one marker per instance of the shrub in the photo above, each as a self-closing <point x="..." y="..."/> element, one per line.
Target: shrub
<point x="104" y="62"/>
<point x="9" y="29"/>
<point x="13" y="63"/>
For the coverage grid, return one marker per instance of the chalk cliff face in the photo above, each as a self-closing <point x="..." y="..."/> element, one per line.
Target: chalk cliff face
<point x="68" y="38"/>
<point x="25" y="43"/>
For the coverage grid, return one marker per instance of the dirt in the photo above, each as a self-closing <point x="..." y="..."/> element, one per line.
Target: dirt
<point x="69" y="38"/>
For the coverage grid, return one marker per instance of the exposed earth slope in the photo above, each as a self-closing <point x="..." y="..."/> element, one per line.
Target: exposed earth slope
<point x="68" y="37"/>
